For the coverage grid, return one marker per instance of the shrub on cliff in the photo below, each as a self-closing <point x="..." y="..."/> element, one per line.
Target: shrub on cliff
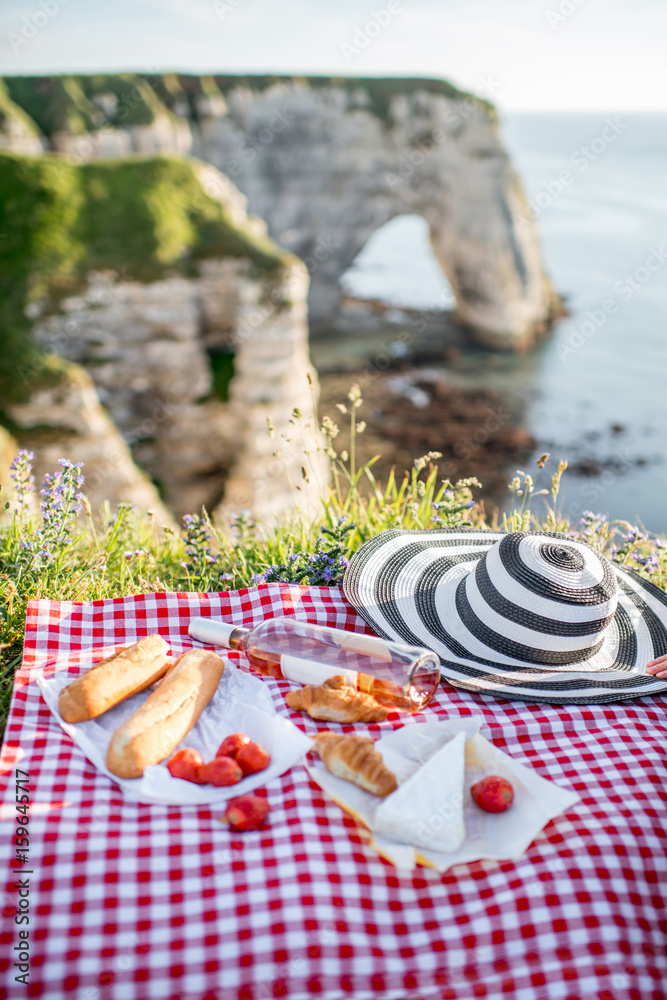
<point x="141" y="217"/>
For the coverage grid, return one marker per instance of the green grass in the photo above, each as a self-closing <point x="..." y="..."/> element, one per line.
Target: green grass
<point x="54" y="103"/>
<point x="169" y="90"/>
<point x="137" y="101"/>
<point x="380" y="90"/>
<point x="222" y="369"/>
<point x="66" y="102"/>
<point x="11" y="112"/>
<point x="122" y="552"/>
<point x="139" y="217"/>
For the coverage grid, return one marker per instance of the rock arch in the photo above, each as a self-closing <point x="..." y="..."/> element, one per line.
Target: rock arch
<point x="325" y="168"/>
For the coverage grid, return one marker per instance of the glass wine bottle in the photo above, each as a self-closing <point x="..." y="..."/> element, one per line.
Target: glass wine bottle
<point x="397" y="675"/>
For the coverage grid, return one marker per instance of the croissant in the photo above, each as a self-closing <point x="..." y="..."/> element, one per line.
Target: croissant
<point x="354" y="758"/>
<point x="334" y="701"/>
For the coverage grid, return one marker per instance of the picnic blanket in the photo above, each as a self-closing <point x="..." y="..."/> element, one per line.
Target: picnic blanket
<point x="129" y="901"/>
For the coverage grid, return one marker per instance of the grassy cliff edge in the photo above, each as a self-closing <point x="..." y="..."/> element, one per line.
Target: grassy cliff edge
<point x="141" y="217"/>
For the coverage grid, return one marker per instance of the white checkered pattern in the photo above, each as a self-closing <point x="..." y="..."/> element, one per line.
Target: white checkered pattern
<point x="137" y="902"/>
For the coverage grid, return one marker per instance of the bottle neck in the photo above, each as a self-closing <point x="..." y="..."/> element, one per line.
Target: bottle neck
<point x="237" y="639"/>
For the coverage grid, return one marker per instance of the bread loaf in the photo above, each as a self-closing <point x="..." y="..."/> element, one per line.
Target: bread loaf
<point x="168" y="714"/>
<point x="113" y="679"/>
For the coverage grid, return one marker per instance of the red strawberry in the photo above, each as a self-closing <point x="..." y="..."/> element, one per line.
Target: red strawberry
<point x="185" y="764"/>
<point x="231" y="745"/>
<point x="493" y="794"/>
<point x="246" y="812"/>
<point x="220" y="771"/>
<point x="252" y="758"/>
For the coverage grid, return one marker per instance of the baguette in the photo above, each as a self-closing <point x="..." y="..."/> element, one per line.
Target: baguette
<point x="113" y="679"/>
<point x="168" y="714"/>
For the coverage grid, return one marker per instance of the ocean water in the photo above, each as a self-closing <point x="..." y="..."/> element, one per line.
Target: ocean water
<point x="397" y="266"/>
<point x="594" y="393"/>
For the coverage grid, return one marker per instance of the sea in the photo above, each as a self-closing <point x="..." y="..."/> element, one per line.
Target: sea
<point x="594" y="393"/>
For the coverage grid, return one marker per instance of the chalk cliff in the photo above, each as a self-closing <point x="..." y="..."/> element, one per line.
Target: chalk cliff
<point x="326" y="162"/>
<point x="148" y="324"/>
<point x="64" y="419"/>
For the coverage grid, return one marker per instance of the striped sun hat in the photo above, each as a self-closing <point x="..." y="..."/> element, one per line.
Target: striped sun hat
<point x="529" y="615"/>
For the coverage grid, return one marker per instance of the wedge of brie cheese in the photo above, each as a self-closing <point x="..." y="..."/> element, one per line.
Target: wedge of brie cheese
<point x="427" y="809"/>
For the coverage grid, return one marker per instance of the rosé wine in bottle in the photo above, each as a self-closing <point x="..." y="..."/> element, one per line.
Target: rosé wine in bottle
<point x="397" y="675"/>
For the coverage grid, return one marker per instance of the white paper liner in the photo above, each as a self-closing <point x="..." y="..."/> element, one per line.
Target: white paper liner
<point x="242" y="703"/>
<point x="497" y="836"/>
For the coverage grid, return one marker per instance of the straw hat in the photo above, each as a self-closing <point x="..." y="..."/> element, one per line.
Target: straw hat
<point x="534" y="616"/>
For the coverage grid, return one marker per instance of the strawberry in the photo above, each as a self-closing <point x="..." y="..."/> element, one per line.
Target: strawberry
<point x="252" y="758"/>
<point x="186" y="764"/>
<point x="220" y="771"/>
<point x="493" y="794"/>
<point x="246" y="812"/>
<point x="231" y="745"/>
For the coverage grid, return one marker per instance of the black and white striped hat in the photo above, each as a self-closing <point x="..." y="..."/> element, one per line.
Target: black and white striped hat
<point x="529" y="615"/>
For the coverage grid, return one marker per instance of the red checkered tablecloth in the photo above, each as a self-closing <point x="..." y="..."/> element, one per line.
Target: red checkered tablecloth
<point x="132" y="901"/>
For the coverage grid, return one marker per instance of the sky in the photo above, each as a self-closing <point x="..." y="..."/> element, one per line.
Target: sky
<point x="538" y="55"/>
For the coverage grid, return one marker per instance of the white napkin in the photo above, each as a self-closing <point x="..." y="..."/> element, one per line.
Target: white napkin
<point x="427" y="809"/>
<point x="242" y="703"/>
<point x="497" y="836"/>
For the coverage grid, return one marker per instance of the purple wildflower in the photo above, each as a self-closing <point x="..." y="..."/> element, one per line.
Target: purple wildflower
<point x="59" y="505"/>
<point x="202" y="557"/>
<point x="324" y="566"/>
<point x="22" y="477"/>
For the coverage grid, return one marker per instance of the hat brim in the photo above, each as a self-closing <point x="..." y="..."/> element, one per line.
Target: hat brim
<point x="403" y="584"/>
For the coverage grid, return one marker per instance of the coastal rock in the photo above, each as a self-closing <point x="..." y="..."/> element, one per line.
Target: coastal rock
<point x="66" y="420"/>
<point x="274" y="387"/>
<point x="326" y="162"/>
<point x="325" y="172"/>
<point x="8" y="449"/>
<point x="164" y="135"/>
<point x="146" y="347"/>
<point x="193" y="334"/>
